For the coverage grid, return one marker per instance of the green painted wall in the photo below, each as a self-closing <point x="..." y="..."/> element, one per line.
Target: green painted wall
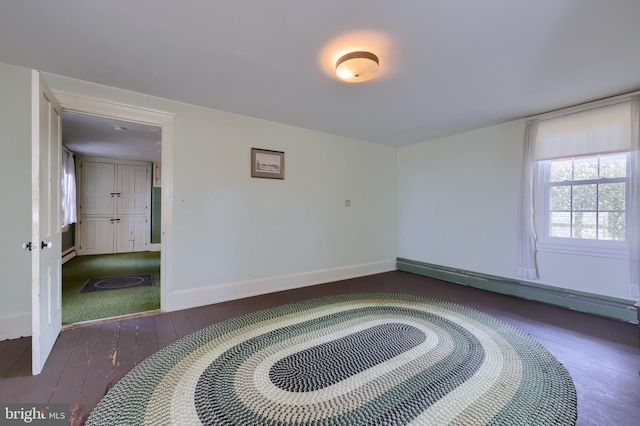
<point x="69" y="238"/>
<point x="156" y="212"/>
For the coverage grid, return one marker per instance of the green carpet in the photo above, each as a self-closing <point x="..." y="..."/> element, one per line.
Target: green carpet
<point x="361" y="359"/>
<point x="78" y="307"/>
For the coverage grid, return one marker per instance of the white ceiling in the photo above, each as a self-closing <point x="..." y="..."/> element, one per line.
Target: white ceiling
<point x="104" y="137"/>
<point x="446" y="66"/>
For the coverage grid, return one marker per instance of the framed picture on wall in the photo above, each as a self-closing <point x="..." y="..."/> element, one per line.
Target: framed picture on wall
<point x="266" y="163"/>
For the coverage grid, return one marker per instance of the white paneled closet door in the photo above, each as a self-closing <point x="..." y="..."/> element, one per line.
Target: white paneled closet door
<point x="132" y="189"/>
<point x="97" y="235"/>
<point x="114" y="209"/>
<point x="98" y="188"/>
<point x="131" y="234"/>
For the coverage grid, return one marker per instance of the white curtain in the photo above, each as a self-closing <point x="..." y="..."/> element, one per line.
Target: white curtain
<point x="633" y="208"/>
<point x="526" y="266"/>
<point x="68" y="188"/>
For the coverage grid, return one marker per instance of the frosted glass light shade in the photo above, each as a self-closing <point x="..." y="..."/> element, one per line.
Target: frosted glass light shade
<point x="356" y="67"/>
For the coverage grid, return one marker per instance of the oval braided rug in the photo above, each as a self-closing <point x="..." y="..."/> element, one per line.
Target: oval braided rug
<point x="374" y="359"/>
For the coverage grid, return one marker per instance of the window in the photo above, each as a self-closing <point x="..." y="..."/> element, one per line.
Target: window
<point x="580" y="187"/>
<point x="583" y="161"/>
<point x="585" y="198"/>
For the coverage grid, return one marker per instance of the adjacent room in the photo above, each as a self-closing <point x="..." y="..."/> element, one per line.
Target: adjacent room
<point x="339" y="212"/>
<point x="111" y="239"/>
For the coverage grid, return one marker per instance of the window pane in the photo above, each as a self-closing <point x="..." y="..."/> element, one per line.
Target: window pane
<point x="613" y="166"/>
<point x="560" y="198"/>
<point x="611" y="196"/>
<point x="560" y="225"/>
<point x="611" y="226"/>
<point x="585" y="168"/>
<point x="561" y="170"/>
<point x="584" y="197"/>
<point x="587" y="210"/>
<point x="584" y="225"/>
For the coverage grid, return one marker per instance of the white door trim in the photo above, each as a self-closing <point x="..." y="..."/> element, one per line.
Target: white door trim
<point x="120" y="111"/>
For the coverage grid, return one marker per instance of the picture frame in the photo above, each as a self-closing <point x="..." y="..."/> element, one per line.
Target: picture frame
<point x="266" y="163"/>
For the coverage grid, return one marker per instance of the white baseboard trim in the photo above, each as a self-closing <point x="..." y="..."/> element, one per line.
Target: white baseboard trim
<point x="155" y="247"/>
<point x="185" y="299"/>
<point x="69" y="254"/>
<point x="15" y="326"/>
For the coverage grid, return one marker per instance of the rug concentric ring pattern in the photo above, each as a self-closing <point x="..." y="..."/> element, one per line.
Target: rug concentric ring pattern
<point x="359" y="359"/>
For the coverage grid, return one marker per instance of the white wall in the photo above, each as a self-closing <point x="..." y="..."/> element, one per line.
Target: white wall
<point x="15" y="192"/>
<point x="457" y="202"/>
<point x="236" y="236"/>
<point x="450" y="201"/>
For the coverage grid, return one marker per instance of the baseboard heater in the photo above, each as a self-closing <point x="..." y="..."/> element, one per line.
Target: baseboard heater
<point x="68" y="254"/>
<point x="610" y="307"/>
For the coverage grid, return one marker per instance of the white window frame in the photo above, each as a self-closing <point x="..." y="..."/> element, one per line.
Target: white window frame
<point x="574" y="246"/>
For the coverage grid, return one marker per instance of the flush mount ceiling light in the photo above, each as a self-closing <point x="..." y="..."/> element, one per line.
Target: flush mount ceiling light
<point x="356" y="67"/>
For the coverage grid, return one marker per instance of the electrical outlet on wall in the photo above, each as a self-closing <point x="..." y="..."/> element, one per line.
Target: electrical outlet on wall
<point x="347" y="203"/>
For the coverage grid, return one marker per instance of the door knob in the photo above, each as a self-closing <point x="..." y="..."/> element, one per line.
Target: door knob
<point x="46" y="245"/>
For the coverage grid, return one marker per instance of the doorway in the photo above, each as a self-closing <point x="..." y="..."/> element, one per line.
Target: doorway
<point x="141" y="135"/>
<point x="116" y="271"/>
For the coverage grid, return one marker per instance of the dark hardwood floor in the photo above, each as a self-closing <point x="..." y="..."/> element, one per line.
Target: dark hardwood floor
<point x="602" y="355"/>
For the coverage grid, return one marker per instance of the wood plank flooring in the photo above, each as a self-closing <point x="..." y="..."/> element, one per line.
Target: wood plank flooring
<point x="602" y="355"/>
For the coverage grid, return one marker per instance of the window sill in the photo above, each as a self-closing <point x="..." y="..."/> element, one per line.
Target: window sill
<point x="612" y="251"/>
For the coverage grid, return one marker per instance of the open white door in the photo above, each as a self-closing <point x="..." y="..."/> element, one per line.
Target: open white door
<point x="46" y="237"/>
